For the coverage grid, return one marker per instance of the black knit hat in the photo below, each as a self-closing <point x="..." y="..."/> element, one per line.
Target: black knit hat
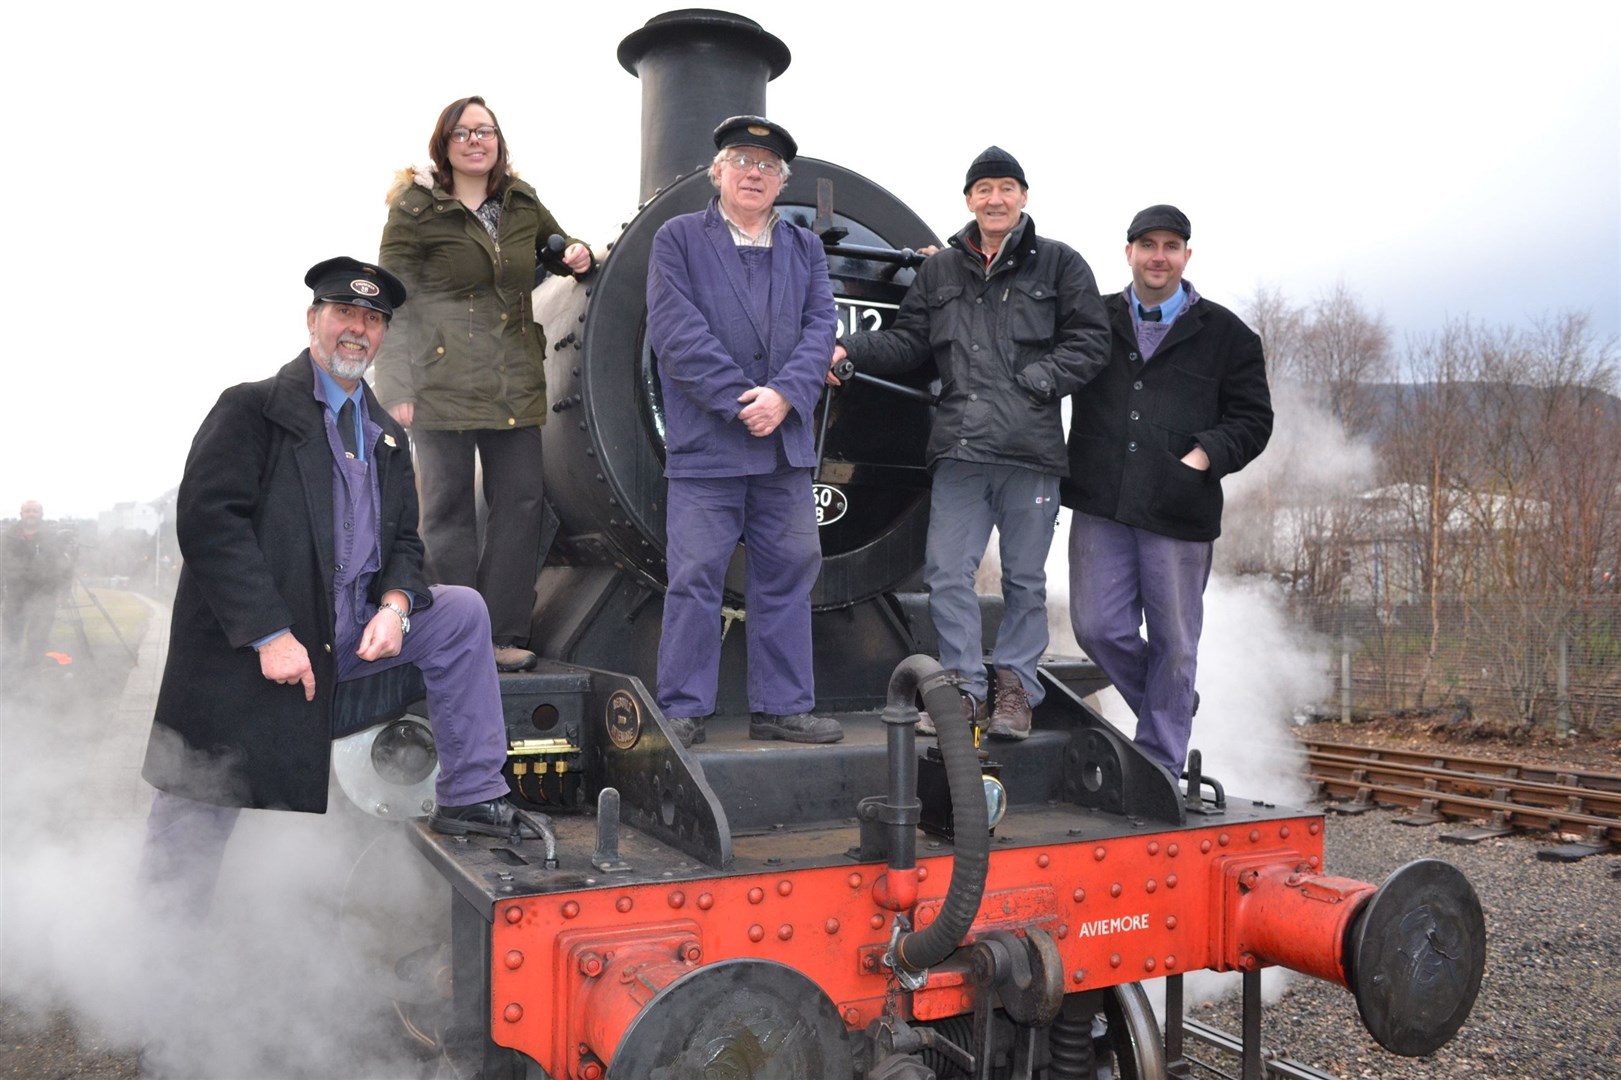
<point x="1160" y="216"/>
<point x="994" y="161"/>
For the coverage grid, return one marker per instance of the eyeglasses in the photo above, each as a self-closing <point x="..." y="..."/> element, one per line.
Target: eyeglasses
<point x="479" y="134"/>
<point x="767" y="167"/>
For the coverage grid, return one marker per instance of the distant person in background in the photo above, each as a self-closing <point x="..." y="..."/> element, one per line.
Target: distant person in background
<point x="36" y="563"/>
<point x="740" y="315"/>
<point x="1013" y="322"/>
<point x="464" y="365"/>
<point x="1182" y="403"/>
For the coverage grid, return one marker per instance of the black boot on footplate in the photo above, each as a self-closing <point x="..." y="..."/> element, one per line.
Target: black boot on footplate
<point x="800" y="727"/>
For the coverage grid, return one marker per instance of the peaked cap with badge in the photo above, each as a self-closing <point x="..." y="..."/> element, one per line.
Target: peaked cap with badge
<point x="756" y="131"/>
<point x="343" y="280"/>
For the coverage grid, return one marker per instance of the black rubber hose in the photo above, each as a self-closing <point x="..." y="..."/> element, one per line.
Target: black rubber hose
<point x="971" y="824"/>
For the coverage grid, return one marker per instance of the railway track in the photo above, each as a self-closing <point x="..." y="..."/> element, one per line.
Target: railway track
<point x="1500" y="797"/>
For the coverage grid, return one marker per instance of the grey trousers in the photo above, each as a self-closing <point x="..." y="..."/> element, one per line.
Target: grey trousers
<point x="503" y="569"/>
<point x="968" y="499"/>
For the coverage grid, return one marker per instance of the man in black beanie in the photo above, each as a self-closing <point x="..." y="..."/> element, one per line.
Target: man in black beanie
<point x="1013" y="321"/>
<point x="1182" y="403"/>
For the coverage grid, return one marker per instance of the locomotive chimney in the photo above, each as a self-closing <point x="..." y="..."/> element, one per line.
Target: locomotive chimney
<point x="697" y="67"/>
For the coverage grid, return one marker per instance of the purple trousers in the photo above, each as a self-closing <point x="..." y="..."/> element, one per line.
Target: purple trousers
<point x="775" y="516"/>
<point x="449" y="643"/>
<point x="1121" y="579"/>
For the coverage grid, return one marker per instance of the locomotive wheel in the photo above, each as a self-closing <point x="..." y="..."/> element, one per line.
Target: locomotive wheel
<point x="393" y="921"/>
<point x="1134" y="1035"/>
<point x="741" y="1019"/>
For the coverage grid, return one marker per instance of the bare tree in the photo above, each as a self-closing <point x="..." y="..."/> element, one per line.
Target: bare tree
<point x="1280" y="326"/>
<point x="1344" y="348"/>
<point x="1429" y="432"/>
<point x="1547" y="497"/>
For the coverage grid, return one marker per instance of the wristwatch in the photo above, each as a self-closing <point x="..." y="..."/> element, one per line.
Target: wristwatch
<point x="405" y="620"/>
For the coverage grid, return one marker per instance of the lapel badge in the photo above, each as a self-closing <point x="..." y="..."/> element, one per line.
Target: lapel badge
<point x="388" y="440"/>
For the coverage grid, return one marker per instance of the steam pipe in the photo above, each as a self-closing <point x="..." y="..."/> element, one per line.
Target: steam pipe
<point x="972" y="826"/>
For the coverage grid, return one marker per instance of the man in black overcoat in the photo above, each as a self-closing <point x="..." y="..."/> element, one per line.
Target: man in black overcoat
<point x="297" y="520"/>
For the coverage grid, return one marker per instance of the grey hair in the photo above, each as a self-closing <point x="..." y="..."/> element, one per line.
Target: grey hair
<point x="720" y="159"/>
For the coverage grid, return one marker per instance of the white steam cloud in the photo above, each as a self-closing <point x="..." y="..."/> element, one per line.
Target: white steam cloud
<point x="282" y="979"/>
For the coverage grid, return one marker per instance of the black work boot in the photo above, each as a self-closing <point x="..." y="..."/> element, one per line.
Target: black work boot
<point x="799" y="727"/>
<point x="494" y="817"/>
<point x="687" y="729"/>
<point x="1011" y="717"/>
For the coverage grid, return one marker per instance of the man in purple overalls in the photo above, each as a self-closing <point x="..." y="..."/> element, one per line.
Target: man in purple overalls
<point x="297" y="519"/>
<point x="740" y="316"/>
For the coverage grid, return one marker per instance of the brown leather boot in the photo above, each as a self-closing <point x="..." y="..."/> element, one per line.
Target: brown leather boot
<point x="1011" y="717"/>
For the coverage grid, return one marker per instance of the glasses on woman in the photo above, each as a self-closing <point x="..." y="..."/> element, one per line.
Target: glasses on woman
<point x="482" y="133"/>
<point x="767" y="167"/>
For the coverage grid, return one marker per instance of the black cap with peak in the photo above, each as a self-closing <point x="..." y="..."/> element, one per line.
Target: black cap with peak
<point x="1160" y="216"/>
<point x="349" y="281"/>
<point x="756" y="131"/>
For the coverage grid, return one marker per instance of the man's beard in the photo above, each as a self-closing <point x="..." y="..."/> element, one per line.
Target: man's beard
<point x="341" y="366"/>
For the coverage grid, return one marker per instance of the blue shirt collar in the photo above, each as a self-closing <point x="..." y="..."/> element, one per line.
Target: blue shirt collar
<point x="1169" y="308"/>
<point x="330" y="394"/>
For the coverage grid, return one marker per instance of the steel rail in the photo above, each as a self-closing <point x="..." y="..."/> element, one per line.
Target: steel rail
<point x="1491" y="767"/>
<point x="1509" y="804"/>
<point x="1564" y="798"/>
<point x="1274" y="1066"/>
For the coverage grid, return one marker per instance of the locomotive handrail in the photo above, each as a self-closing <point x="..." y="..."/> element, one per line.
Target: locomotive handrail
<point x="845" y="371"/>
<point x="901" y="257"/>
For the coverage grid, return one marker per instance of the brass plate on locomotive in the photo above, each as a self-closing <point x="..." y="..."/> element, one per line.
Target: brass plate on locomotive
<point x="623" y="718"/>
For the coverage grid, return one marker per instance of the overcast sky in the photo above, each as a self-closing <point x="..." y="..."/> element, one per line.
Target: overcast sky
<point x="178" y="167"/>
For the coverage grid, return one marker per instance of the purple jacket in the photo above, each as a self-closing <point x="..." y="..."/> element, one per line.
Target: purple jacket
<point x="711" y="349"/>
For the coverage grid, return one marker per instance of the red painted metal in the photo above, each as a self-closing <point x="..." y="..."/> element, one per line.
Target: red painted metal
<point x="571" y="971"/>
<point x="1279" y="915"/>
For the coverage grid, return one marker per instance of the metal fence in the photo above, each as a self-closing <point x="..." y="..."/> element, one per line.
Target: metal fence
<point x="1540" y="665"/>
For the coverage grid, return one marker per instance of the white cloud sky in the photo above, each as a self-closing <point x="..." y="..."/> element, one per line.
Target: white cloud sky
<point x="177" y="167"/>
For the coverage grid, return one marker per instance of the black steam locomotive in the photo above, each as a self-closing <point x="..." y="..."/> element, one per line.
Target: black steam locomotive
<point x="880" y="908"/>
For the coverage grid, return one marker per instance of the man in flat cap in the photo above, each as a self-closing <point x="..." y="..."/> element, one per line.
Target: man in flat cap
<point x="740" y="316"/>
<point x="1013" y="322"/>
<point x="297" y="518"/>
<point x="1182" y="403"/>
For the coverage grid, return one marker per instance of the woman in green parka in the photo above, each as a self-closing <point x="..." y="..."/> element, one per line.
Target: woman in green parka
<point x="463" y="363"/>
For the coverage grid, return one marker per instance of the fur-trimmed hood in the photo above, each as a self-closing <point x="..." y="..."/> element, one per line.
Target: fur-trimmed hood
<point x="418" y="175"/>
<point x="421" y="176"/>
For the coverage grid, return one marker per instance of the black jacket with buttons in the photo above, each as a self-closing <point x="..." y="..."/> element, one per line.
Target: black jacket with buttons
<point x="1009" y="342"/>
<point x="1205" y="386"/>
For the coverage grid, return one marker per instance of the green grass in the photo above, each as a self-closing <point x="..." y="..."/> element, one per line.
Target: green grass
<point x="123" y="610"/>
